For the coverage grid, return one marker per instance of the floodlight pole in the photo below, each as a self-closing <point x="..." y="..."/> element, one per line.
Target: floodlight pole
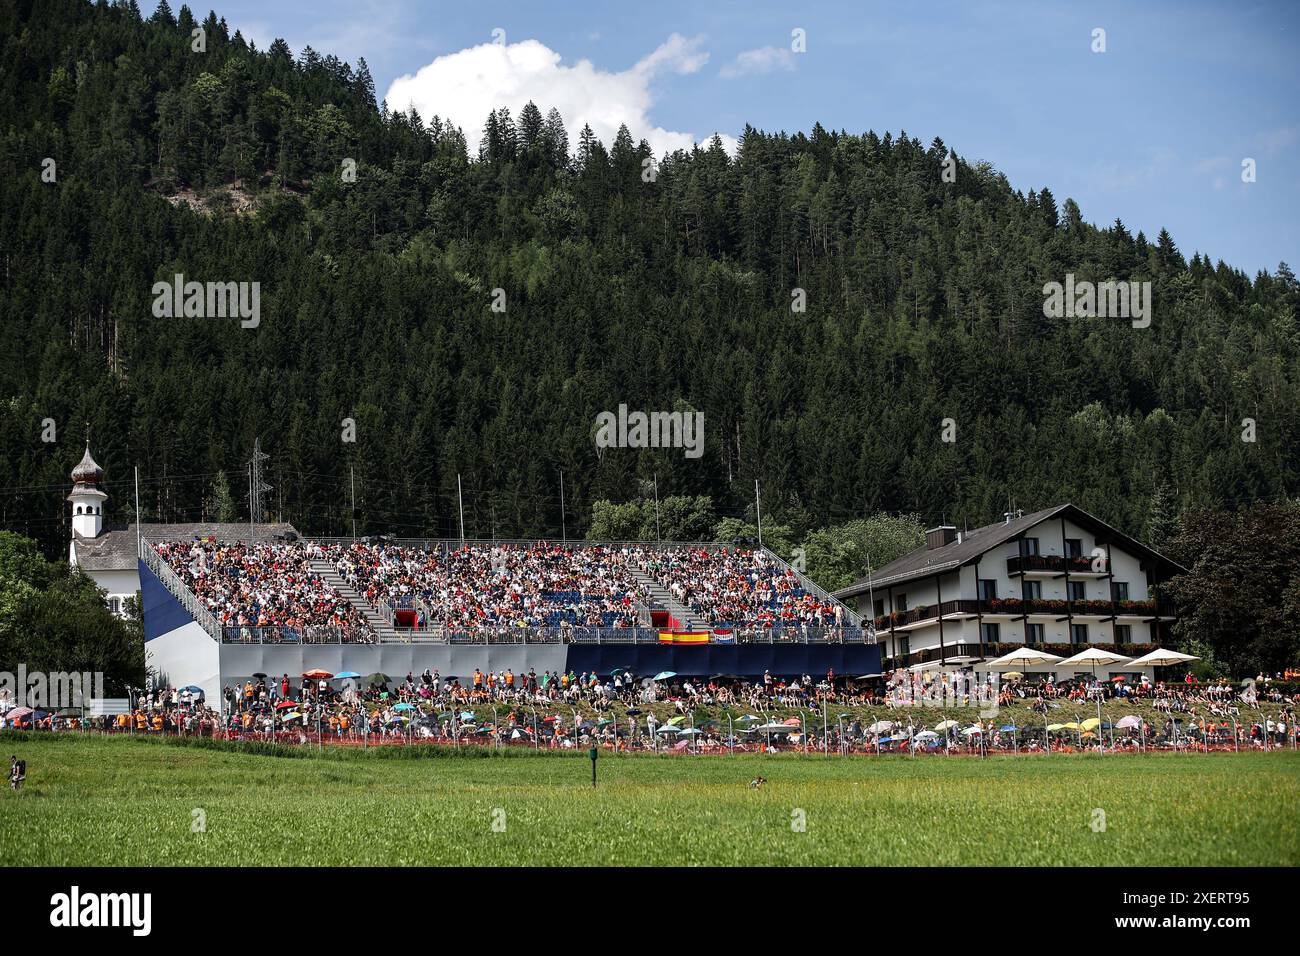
<point x="564" y="532"/>
<point x="758" y="513"/>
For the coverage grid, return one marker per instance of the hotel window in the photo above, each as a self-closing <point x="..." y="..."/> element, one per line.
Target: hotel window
<point x="1033" y="633"/>
<point x="1123" y="634"/>
<point x="988" y="590"/>
<point x="1078" y="633"/>
<point x="904" y="646"/>
<point x="878" y="609"/>
<point x="115" y="605"/>
<point x="1031" y="590"/>
<point x="1076" y="591"/>
<point x="1073" y="548"/>
<point x="1028" y="546"/>
<point x="989" y="633"/>
<point x="1119" y="590"/>
<point x="900" y="603"/>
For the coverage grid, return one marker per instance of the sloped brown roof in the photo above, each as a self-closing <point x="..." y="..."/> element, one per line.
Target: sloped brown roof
<point x="115" y="549"/>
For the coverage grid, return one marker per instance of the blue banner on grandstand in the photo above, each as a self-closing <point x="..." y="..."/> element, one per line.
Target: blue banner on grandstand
<point x="162" y="612"/>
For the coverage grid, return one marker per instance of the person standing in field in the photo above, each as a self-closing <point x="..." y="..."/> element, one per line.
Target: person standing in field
<point x="17" y="772"/>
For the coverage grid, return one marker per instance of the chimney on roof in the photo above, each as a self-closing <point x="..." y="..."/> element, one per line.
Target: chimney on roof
<point x="939" y="537"/>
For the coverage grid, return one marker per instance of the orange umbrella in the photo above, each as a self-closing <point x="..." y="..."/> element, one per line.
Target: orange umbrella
<point x="317" y="674"/>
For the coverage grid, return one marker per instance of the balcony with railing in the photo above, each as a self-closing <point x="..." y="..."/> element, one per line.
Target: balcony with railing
<point x="1016" y="607"/>
<point x="1054" y="566"/>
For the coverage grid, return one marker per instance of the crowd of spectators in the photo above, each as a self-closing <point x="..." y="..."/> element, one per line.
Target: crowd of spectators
<point x="477" y="585"/>
<point x="260" y="585"/>
<point x="480" y="586"/>
<point x="738" y="588"/>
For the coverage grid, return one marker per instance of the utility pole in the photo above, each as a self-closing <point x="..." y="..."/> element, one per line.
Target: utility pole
<point x="658" y="539"/>
<point x="138" y="532"/>
<point x="758" y="512"/>
<point x="256" y="486"/>
<point x="352" y="472"/>
<point x="871" y="600"/>
<point x="564" y="531"/>
<point x="460" y="500"/>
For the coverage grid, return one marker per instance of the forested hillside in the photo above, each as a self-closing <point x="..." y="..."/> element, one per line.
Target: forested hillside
<point x="924" y="303"/>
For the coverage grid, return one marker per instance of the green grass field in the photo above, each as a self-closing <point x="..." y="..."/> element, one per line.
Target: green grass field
<point x="96" y="801"/>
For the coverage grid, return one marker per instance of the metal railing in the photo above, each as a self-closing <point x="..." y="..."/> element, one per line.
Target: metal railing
<point x="562" y="635"/>
<point x="1051" y="564"/>
<point x="279" y="634"/>
<point x="179" y="589"/>
<point x="1017" y="607"/>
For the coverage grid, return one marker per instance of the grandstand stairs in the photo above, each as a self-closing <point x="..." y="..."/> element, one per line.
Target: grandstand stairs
<point x="687" y="619"/>
<point x="330" y="575"/>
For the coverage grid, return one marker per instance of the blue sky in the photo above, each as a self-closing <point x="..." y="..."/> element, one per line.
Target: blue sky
<point x="1153" y="131"/>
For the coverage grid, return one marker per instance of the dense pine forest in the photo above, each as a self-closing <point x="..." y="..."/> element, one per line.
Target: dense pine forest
<point x="127" y="157"/>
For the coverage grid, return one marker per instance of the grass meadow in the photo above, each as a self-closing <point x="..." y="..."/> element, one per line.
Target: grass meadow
<point x="113" y="801"/>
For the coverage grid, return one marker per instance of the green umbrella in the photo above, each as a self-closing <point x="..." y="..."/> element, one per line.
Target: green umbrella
<point x="378" y="678"/>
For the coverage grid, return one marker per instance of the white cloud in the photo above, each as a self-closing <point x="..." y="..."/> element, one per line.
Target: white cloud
<point x="465" y="86"/>
<point x="762" y="60"/>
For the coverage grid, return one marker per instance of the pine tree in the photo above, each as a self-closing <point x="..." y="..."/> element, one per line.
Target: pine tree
<point x="556" y="140"/>
<point x="221" y="504"/>
<point x="162" y="16"/>
<point x="364" y="85"/>
<point x="529" y="126"/>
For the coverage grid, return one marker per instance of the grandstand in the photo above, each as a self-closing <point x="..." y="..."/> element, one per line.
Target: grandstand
<point x="287" y="604"/>
<point x="223" y="602"/>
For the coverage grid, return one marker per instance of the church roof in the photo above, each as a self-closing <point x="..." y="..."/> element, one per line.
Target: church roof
<point x="87" y="471"/>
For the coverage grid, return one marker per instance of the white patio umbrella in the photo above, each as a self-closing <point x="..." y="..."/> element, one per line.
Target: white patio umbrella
<point x="1093" y="658"/>
<point x="1161" y="657"/>
<point x="1025" y="657"/>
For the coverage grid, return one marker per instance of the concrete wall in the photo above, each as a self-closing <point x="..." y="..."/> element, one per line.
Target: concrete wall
<point x="186" y="655"/>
